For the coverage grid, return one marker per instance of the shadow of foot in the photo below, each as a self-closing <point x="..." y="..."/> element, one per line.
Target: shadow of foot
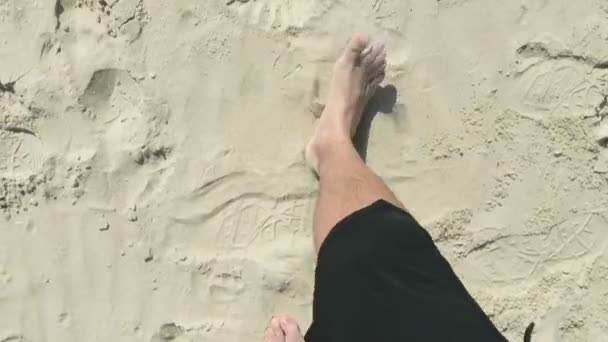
<point x="383" y="102"/>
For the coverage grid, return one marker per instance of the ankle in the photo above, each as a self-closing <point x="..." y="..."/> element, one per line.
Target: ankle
<point x="328" y="144"/>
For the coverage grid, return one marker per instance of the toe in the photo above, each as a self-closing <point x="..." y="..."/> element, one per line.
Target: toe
<point x="376" y="55"/>
<point x="355" y="47"/>
<point x="274" y="332"/>
<point x="380" y="59"/>
<point x="285" y="319"/>
<point x="271" y="337"/>
<point x="376" y="70"/>
<point x="275" y="326"/>
<point x="291" y="329"/>
<point x="369" y="55"/>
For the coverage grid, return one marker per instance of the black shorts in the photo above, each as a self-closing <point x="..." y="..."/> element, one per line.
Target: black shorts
<point x="380" y="277"/>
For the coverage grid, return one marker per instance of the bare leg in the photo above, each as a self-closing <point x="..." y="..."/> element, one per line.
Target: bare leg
<point x="346" y="183"/>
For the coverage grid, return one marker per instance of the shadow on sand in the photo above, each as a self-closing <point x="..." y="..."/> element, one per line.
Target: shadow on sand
<point x="383" y="102"/>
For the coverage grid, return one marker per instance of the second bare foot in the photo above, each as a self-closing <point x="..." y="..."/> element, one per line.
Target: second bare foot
<point x="274" y="333"/>
<point x="283" y="329"/>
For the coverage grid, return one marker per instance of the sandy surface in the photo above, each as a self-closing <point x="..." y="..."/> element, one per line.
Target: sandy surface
<point x="151" y="176"/>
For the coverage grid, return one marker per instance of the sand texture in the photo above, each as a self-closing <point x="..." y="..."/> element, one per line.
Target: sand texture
<point x="152" y="184"/>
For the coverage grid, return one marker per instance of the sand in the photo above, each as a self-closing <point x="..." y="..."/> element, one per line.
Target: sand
<point x="152" y="186"/>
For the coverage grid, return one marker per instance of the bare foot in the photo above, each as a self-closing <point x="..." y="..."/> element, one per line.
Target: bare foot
<point x="283" y="329"/>
<point x="291" y="329"/>
<point x="274" y="333"/>
<point x="356" y="76"/>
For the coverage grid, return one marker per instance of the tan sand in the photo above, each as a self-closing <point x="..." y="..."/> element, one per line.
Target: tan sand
<point x="152" y="183"/>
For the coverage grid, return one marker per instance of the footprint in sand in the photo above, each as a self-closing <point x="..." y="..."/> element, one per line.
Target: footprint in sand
<point x="552" y="81"/>
<point x="279" y="15"/>
<point x="514" y="257"/>
<point x="101" y="91"/>
<point x="23" y="158"/>
<point x="131" y="124"/>
<point x="223" y="279"/>
<point x="125" y="19"/>
<point x="229" y="278"/>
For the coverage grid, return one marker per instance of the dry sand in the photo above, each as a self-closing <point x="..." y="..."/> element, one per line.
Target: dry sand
<point x="152" y="184"/>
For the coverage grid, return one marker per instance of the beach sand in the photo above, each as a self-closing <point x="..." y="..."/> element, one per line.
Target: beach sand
<point x="152" y="182"/>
